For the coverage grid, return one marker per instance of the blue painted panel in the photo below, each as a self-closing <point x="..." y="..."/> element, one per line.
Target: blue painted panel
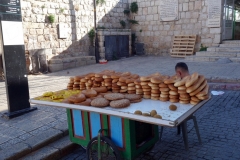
<point x="77" y="123"/>
<point x="116" y="130"/>
<point x="95" y="122"/>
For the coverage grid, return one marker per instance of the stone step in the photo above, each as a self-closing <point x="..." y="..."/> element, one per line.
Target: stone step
<point x="202" y="58"/>
<point x="229" y="45"/>
<point x="231" y="42"/>
<point x="217" y="54"/>
<point x="224" y="49"/>
<point x="53" y="151"/>
<point x="235" y="59"/>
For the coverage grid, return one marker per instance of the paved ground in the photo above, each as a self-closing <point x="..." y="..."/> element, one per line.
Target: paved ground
<point x="23" y="130"/>
<point x="219" y="128"/>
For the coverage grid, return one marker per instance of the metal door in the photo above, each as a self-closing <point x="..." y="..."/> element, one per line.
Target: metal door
<point x="116" y="47"/>
<point x="228" y="19"/>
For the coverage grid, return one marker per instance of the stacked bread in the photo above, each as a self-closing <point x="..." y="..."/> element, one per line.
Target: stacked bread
<point x="145" y="87"/>
<point x="192" y="89"/>
<point x="171" y="89"/>
<point x="115" y="78"/>
<point x="139" y="89"/>
<point x="154" y="84"/>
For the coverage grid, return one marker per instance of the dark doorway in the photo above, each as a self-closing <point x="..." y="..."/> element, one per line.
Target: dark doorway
<point x="116" y="47"/>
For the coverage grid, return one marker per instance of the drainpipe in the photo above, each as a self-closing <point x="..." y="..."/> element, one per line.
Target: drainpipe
<point x="95" y="27"/>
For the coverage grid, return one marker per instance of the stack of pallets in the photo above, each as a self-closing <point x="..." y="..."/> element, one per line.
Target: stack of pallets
<point x="183" y="45"/>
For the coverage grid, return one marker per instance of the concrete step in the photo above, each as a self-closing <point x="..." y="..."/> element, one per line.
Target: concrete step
<point x="53" y="151"/>
<point x="202" y="58"/>
<point x="231" y="42"/>
<point x="235" y="59"/>
<point x="48" y="144"/>
<point x="217" y="54"/>
<point x="229" y="45"/>
<point x="224" y="49"/>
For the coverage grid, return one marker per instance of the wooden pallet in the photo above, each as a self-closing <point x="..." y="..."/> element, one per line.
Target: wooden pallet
<point x="183" y="45"/>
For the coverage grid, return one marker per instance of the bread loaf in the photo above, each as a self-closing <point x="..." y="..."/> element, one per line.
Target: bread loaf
<point x="192" y="79"/>
<point x="196" y="84"/>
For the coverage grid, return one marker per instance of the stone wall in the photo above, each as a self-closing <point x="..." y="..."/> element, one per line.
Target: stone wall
<point x="39" y="33"/>
<point x="158" y="35"/>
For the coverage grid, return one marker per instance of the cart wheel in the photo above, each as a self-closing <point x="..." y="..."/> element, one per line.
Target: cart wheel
<point x="109" y="150"/>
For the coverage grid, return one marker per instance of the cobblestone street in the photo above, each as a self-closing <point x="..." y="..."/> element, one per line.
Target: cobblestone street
<point x="219" y="128"/>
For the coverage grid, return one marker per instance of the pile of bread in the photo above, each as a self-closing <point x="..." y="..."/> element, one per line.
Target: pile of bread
<point x="99" y="98"/>
<point x="191" y="89"/>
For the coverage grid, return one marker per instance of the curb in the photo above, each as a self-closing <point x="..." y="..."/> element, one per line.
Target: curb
<point x="225" y="86"/>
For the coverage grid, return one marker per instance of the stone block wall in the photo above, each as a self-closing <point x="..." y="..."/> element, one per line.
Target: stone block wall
<point x="158" y="35"/>
<point x="79" y="17"/>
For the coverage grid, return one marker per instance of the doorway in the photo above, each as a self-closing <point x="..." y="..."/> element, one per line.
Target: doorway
<point x="231" y="20"/>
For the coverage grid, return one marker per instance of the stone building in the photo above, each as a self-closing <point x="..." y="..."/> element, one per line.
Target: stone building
<point x="159" y="21"/>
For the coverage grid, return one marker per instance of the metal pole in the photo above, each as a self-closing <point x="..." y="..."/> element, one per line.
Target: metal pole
<point x="95" y="27"/>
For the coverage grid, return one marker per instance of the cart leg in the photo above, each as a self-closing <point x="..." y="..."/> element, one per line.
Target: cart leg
<point x="196" y="128"/>
<point x="160" y="136"/>
<point x="184" y="133"/>
<point x="179" y="129"/>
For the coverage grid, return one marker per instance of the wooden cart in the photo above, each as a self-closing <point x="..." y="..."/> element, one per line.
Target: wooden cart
<point x="122" y="134"/>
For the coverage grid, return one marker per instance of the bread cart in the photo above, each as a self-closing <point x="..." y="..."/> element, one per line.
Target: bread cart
<point x="123" y="134"/>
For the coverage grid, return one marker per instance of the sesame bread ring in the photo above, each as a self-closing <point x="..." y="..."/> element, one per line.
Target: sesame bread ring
<point x="122" y="79"/>
<point x="164" y="99"/>
<point x="136" y="101"/>
<point x="184" y="102"/>
<point x="185" y="95"/>
<point x="146" y="96"/>
<point x="131" y="85"/>
<point x="132" y="96"/>
<point x="144" y="83"/>
<point x="155" y="94"/>
<point x="145" y="78"/>
<point x="182" y="91"/>
<point x="174" y="100"/>
<point x="155" y="87"/>
<point x="100" y="89"/>
<point x="182" y="88"/>
<point x="129" y="81"/>
<point x="171" y="86"/>
<point x="164" y="95"/>
<point x="155" y="91"/>
<point x="196" y="85"/>
<point x="131" y="88"/>
<point x="89" y="93"/>
<point x="173" y="97"/>
<point x="121" y="84"/>
<point x="155" y="98"/>
<point x="77" y="98"/>
<point x="124" y="87"/>
<point x="203" y="97"/>
<point x="200" y="88"/>
<point x="99" y="79"/>
<point x="173" y="92"/>
<point x="203" y="92"/>
<point x="123" y="103"/>
<point x="165" y="92"/>
<point x="137" y="81"/>
<point x="163" y="85"/>
<point x="131" y="91"/>
<point x="147" y="92"/>
<point x="172" y="79"/>
<point x="87" y="102"/>
<point x="100" y="102"/>
<point x="115" y="80"/>
<point x="146" y="87"/>
<point x="194" y="102"/>
<point x="181" y="82"/>
<point x="115" y="76"/>
<point x="156" y="80"/>
<point x="114" y="96"/>
<point x="192" y="79"/>
<point x="195" y="99"/>
<point x="164" y="89"/>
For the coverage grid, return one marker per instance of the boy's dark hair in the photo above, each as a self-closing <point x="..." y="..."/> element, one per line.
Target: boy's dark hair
<point x="181" y="65"/>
